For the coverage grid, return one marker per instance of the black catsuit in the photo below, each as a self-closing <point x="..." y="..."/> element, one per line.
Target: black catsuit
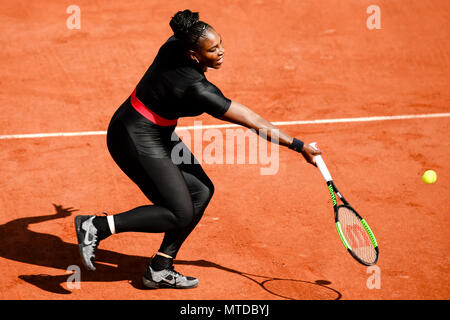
<point x="172" y="87"/>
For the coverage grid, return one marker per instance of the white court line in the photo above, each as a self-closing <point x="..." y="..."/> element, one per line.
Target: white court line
<point x="280" y="123"/>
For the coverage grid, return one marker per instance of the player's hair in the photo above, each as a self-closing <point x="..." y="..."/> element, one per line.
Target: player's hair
<point x="187" y="27"/>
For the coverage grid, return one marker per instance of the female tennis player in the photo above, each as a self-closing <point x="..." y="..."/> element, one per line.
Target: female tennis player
<point x="140" y="139"/>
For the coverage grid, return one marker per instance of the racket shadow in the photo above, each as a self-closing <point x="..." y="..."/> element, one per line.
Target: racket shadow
<point x="289" y="289"/>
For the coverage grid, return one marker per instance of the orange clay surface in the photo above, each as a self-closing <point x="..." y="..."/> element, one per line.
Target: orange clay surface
<point x="262" y="237"/>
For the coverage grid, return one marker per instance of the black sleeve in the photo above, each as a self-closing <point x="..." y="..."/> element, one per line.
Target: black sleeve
<point x="206" y="97"/>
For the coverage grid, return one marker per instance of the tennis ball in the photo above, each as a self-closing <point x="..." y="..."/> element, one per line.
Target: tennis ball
<point x="429" y="176"/>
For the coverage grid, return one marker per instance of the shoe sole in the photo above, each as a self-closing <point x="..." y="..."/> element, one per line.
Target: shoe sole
<point x="78" y="221"/>
<point x="162" y="285"/>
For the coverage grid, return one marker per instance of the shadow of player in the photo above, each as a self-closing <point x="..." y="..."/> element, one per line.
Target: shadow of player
<point x="47" y="250"/>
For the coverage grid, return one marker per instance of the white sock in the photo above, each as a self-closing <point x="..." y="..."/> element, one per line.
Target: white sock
<point x="112" y="226"/>
<point x="164" y="255"/>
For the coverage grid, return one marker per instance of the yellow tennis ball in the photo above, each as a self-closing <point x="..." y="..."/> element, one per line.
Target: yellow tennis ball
<point x="429" y="176"/>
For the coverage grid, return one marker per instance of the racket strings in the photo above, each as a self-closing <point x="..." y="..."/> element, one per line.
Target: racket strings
<point x="356" y="235"/>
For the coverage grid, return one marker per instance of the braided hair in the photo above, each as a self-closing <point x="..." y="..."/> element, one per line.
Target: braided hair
<point x="188" y="28"/>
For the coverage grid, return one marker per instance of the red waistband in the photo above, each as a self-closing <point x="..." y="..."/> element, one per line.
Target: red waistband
<point x="149" y="114"/>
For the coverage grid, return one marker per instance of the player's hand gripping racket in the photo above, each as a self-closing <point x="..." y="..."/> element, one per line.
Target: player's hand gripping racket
<point x="353" y="230"/>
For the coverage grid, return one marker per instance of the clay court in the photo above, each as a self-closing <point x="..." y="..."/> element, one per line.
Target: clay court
<point x="287" y="60"/>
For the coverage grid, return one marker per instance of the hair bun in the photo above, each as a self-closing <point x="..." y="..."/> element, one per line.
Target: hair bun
<point x="183" y="21"/>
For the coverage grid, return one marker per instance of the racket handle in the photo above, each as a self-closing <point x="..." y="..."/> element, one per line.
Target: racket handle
<point x="321" y="165"/>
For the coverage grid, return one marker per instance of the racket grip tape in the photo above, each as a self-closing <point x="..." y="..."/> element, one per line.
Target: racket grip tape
<point x="321" y="165"/>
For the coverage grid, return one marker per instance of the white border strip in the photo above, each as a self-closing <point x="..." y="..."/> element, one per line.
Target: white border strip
<point x="48" y="135"/>
<point x="280" y="123"/>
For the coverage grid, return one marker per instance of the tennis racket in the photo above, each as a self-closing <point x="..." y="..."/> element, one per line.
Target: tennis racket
<point x="353" y="230"/>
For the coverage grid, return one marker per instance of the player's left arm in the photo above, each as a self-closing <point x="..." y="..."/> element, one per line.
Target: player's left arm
<point x="244" y="116"/>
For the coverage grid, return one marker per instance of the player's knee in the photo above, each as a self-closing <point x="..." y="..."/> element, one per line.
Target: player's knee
<point x="184" y="221"/>
<point x="184" y="215"/>
<point x="202" y="199"/>
<point x="211" y="189"/>
<point x="207" y="193"/>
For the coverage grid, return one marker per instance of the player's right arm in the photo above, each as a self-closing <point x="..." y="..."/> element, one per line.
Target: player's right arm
<point x="244" y="116"/>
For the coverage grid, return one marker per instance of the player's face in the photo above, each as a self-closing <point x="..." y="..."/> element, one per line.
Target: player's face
<point x="210" y="51"/>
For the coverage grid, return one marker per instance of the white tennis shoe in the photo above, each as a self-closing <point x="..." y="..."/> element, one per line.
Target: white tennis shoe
<point x="87" y="239"/>
<point x="167" y="278"/>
